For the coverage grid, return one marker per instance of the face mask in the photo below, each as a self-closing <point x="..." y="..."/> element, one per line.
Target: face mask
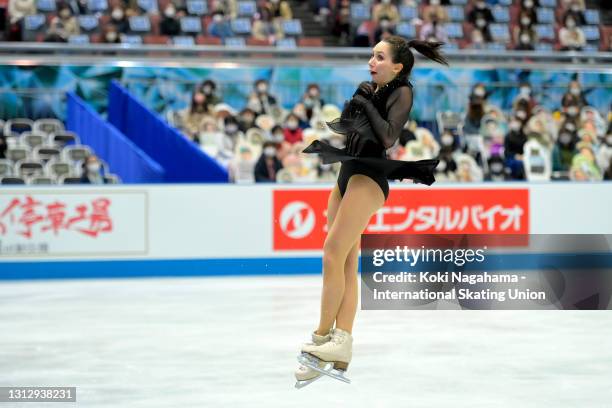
<point x="435" y="2"/>
<point x="117" y="14"/>
<point x="111" y="36"/>
<point x="565" y="138"/>
<point x="270" y="151"/>
<point x="570" y="126"/>
<point x="571" y="24"/>
<point x="278" y="137"/>
<point x="521" y="114"/>
<point x="575" y="7"/>
<point x="525" y="21"/>
<point x="572" y="111"/>
<point x="480" y="22"/>
<point x="384" y="24"/>
<point x="497" y="167"/>
<point x="308" y="103"/>
<point x="528" y="4"/>
<point x="93" y="167"/>
<point x="386" y="1"/>
<point x="248" y="119"/>
<point x="525" y="91"/>
<point x="480" y="5"/>
<point x="217" y="18"/>
<point x="170" y="12"/>
<point x="231" y="129"/>
<point x="292" y="124"/>
<point x="262" y="88"/>
<point x="313" y="93"/>
<point x="575" y="91"/>
<point x="447" y="140"/>
<point x="207" y="90"/>
<point x="515" y="125"/>
<point x="524" y="38"/>
<point x="65" y="13"/>
<point x="479" y="92"/>
<point x="441" y="166"/>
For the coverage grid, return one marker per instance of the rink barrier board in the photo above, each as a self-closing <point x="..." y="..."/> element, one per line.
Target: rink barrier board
<point x="251" y="266"/>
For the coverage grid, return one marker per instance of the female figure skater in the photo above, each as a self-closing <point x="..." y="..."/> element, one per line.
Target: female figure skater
<point x="372" y="121"/>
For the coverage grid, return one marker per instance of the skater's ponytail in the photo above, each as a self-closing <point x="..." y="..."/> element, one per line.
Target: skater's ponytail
<point x="401" y="53"/>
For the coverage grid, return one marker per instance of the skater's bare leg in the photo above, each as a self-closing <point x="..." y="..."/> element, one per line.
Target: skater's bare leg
<point x="361" y="200"/>
<point x="348" y="307"/>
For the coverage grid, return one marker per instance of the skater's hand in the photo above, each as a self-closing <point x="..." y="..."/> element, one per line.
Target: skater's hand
<point x="360" y="101"/>
<point x="365" y="89"/>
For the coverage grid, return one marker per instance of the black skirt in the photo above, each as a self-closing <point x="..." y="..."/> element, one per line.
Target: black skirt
<point x="421" y="171"/>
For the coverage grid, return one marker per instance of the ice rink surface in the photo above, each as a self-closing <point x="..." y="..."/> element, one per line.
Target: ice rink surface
<point x="233" y="342"/>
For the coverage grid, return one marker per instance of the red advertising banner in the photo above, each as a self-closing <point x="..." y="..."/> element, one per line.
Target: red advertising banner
<point x="300" y="221"/>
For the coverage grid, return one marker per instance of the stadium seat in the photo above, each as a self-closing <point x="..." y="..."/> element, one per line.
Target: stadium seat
<point x="592" y="17"/>
<point x="501" y="14"/>
<point x="6" y="167"/>
<point x="59" y="168"/>
<point x="32" y="139"/>
<point x="140" y="24"/>
<point x="48" y="126"/>
<point x="591" y="33"/>
<point x="405" y="30"/>
<point x="246" y="8"/>
<point x="28" y="168"/>
<point x="75" y="153"/>
<point x="286" y="43"/>
<point x="69" y="180"/>
<point x="235" y="42"/>
<point x="197" y="7"/>
<point x="97" y="6"/>
<point x="41" y="180"/>
<point x="454" y="30"/>
<point x="310" y="42"/>
<point x="33" y="26"/>
<point x="17" y="153"/>
<point x="148" y="6"/>
<point x="545" y="15"/>
<point x="545" y="31"/>
<point x="12" y="180"/>
<point x="408" y="13"/>
<point x="241" y="26"/>
<point x="18" y="126"/>
<point x="208" y="40"/>
<point x="46" y="153"/>
<point x="548" y="3"/>
<point x="256" y="42"/>
<point x="500" y="32"/>
<point x="89" y="23"/>
<point x="183" y="40"/>
<point x="360" y="12"/>
<point x="191" y="25"/>
<point x="63" y="138"/>
<point x="455" y="13"/>
<point x="156" y="39"/>
<point x="46" y="6"/>
<point x="112" y="179"/>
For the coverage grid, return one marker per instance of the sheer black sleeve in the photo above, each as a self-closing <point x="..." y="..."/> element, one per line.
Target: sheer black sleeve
<point x="398" y="108"/>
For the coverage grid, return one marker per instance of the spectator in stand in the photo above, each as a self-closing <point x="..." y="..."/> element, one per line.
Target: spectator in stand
<point x="570" y="106"/>
<point x="220" y="26"/>
<point x="434" y="10"/>
<point x="576" y="11"/>
<point x="3" y="145"/>
<point x="477" y="39"/>
<point x="385" y="29"/>
<point x="312" y="100"/>
<point x="261" y="101"/>
<point x="18" y="9"/>
<point x="232" y="134"/>
<point x="265" y="28"/>
<point x="528" y="8"/>
<point x="481" y="17"/>
<point x="524" y="35"/>
<point x="342" y="21"/>
<point x="433" y="31"/>
<point x="170" y="25"/>
<point x="574" y="95"/>
<point x="584" y="166"/>
<point x="524" y="100"/>
<point x="292" y="131"/>
<point x="119" y="19"/>
<point x="513" y="149"/>
<point x="246" y="119"/>
<point x="604" y="155"/>
<point x="64" y="24"/>
<point x="241" y="168"/>
<point x="564" y="149"/>
<point x="208" y="88"/>
<point x="571" y="37"/>
<point x="192" y="117"/>
<point x="110" y="35"/>
<point x="268" y="164"/>
<point x="90" y="171"/>
<point x="279" y="9"/>
<point x="385" y="10"/>
<point x="473" y="117"/>
<point x="299" y="110"/>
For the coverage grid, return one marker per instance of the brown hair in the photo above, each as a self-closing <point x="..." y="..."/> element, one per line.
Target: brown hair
<point x="401" y="53"/>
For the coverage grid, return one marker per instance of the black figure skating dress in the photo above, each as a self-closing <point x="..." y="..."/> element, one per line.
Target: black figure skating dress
<point x="370" y="129"/>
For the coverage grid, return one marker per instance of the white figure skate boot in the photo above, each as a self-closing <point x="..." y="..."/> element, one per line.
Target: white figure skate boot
<point x="336" y="354"/>
<point x="305" y="375"/>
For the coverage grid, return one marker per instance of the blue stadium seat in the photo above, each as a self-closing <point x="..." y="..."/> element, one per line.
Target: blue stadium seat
<point x="360" y="11"/>
<point x="495" y="46"/>
<point x="197" y="7"/>
<point x="590" y="48"/>
<point x="183" y="40"/>
<point x="292" y="27"/>
<point x="501" y="14"/>
<point x="544" y="47"/>
<point x="548" y="3"/>
<point x="191" y="25"/>
<point x="407" y="13"/>
<point x="405" y="30"/>
<point x="455" y="13"/>
<point x="131" y="39"/>
<point x="500" y="32"/>
<point x="46" y="6"/>
<point x="246" y="8"/>
<point x="286" y="43"/>
<point x="545" y="15"/>
<point x="591" y="33"/>
<point x="88" y="22"/>
<point x="545" y="31"/>
<point x="592" y="17"/>
<point x="97" y="5"/>
<point x="140" y="24"/>
<point x="241" y="26"/>
<point x="34" y="22"/>
<point x="235" y="42"/>
<point x="78" y="39"/>
<point x="450" y="46"/>
<point x="459" y="2"/>
<point x="506" y="3"/>
<point x="147" y="5"/>
<point x="454" y="30"/>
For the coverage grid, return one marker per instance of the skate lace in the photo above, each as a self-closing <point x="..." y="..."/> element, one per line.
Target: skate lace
<point x="338" y="337"/>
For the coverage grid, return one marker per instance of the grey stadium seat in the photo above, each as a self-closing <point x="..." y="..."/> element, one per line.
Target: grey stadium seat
<point x="48" y="126"/>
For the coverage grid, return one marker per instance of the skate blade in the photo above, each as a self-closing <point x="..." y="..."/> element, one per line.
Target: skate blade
<point x="313" y="362"/>
<point x="302" y="384"/>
